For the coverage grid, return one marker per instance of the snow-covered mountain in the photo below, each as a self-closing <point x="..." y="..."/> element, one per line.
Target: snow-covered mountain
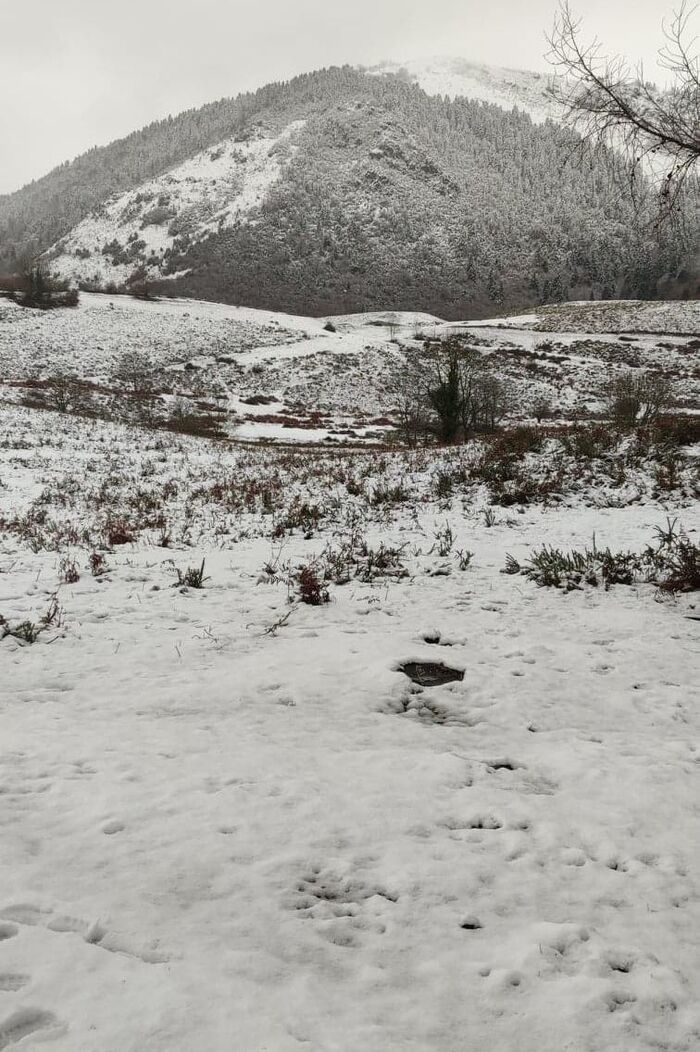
<point x="458" y="78"/>
<point x="345" y="190"/>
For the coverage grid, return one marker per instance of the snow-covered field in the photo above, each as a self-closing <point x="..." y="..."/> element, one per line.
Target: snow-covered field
<point x="229" y="821"/>
<point x="314" y="384"/>
<point x="660" y="317"/>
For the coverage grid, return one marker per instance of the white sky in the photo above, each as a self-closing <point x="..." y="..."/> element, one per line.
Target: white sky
<point x="79" y="73"/>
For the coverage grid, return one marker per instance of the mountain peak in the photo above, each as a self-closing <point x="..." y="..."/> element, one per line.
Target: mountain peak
<point x="456" y="77"/>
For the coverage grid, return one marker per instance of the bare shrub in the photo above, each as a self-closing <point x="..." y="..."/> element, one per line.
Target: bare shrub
<point x="35" y="287"/>
<point x="119" y="531"/>
<point x="673" y="565"/>
<point x="29" y="631"/>
<point x="98" y="564"/>
<point x="637" y="400"/>
<point x="135" y="370"/>
<point x="68" y="570"/>
<point x="310" y="587"/>
<point x="192" y="577"/>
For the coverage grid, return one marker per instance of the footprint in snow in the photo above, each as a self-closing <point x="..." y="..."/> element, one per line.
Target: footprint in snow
<point x="505" y="764"/>
<point x="341" y="907"/>
<point x="91" y="932"/>
<point x="483" y="821"/>
<point x="112" y="827"/>
<point x="618" y="1000"/>
<point x="12" y="981"/>
<point x="23" y="1023"/>
<point x="620" y="962"/>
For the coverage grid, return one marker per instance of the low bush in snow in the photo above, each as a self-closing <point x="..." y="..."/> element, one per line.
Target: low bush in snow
<point x="673" y="565"/>
<point x="310" y="587"/>
<point x="192" y="577"/>
<point x="29" y="631"/>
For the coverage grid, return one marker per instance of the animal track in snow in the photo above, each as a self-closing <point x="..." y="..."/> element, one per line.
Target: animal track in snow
<point x="342" y="906"/>
<point x="91" y="932"/>
<point x="24" y="1022"/>
<point x="435" y="638"/>
<point x="526" y="782"/>
<point x="7" y="931"/>
<point x="11" y="981"/>
<point x="112" y="827"/>
<point x="619" y="999"/>
<point x="616" y="864"/>
<point x="620" y="962"/>
<point x="504" y="765"/>
<point x="485" y="821"/>
<point x="563" y="951"/>
<point x="425" y="709"/>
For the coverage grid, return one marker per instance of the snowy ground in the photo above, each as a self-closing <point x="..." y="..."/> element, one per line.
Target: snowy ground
<point x="228" y="821"/>
<point x="319" y="385"/>
<point x="609" y="316"/>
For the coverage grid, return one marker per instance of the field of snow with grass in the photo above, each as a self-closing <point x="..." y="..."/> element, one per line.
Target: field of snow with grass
<point x="270" y="376"/>
<point x="299" y="749"/>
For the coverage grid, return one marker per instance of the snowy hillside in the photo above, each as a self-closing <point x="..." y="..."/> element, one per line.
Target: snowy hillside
<point x="612" y="316"/>
<point x="456" y="77"/>
<point x="208" y="194"/>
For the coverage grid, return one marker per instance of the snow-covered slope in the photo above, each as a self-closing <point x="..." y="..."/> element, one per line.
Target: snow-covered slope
<point x="207" y="194"/>
<point x="455" y="77"/>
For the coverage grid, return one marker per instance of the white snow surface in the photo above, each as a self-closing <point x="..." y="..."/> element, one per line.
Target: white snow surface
<point x="220" y="835"/>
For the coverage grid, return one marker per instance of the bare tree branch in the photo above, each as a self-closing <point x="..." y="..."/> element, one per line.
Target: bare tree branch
<point x="655" y="131"/>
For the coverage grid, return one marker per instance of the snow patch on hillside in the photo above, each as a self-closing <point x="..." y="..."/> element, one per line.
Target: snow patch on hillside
<point x="455" y="78"/>
<point x="605" y="316"/>
<point x="210" y="192"/>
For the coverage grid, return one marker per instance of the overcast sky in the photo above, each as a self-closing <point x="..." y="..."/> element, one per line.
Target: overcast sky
<point x="79" y="73"/>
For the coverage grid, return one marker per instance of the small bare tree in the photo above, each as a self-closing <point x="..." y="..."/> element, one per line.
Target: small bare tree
<point x="541" y="408"/>
<point x="444" y="391"/>
<point x="63" y="393"/>
<point x="637" y="400"/>
<point x="413" y="417"/>
<point x="485" y="397"/>
<point x="135" y="370"/>
<point x="609" y="105"/>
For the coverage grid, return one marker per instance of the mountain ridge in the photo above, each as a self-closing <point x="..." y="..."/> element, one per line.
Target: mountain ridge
<point x="381" y="194"/>
<point x="456" y="77"/>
